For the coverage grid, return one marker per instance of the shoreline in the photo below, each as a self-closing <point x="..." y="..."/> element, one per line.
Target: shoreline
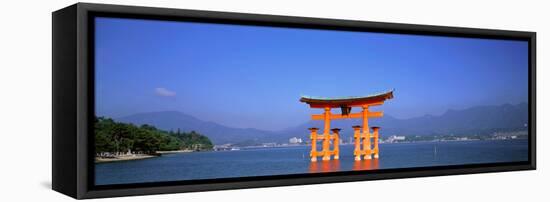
<point x="174" y="151"/>
<point x="137" y="156"/>
<point x="160" y="153"/>
<point x="124" y="158"/>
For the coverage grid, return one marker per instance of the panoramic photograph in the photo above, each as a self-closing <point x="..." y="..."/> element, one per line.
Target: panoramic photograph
<point x="177" y="101"/>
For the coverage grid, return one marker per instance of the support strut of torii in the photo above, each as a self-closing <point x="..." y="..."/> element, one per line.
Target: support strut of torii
<point x="366" y="149"/>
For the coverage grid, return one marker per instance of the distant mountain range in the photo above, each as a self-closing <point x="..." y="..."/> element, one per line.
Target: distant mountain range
<point x="474" y="120"/>
<point x="219" y="134"/>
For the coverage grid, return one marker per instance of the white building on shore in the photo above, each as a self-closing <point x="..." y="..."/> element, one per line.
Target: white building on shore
<point x="395" y="138"/>
<point x="295" y="140"/>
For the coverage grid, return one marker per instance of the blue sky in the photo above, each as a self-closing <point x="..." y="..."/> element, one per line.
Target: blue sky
<point x="252" y="76"/>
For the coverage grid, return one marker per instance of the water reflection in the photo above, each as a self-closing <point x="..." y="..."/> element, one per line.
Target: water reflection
<point x="371" y="164"/>
<point x="324" y="166"/>
<point x="335" y="165"/>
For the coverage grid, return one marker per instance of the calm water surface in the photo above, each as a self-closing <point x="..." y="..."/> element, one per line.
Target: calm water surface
<point x="294" y="160"/>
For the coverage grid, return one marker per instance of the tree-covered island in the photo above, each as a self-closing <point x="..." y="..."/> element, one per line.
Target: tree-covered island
<point x="116" y="141"/>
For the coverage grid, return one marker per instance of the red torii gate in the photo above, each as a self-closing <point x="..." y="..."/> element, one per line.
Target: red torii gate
<point x="345" y="104"/>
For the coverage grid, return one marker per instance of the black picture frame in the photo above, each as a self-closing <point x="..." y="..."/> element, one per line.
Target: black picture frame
<point x="73" y="100"/>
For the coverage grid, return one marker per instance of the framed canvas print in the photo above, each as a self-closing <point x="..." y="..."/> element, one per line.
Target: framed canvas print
<point x="154" y="100"/>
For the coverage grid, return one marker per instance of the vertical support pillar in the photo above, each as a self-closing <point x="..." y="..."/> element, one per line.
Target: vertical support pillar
<point x="357" y="137"/>
<point x="326" y="135"/>
<point x="375" y="133"/>
<point x="366" y="134"/>
<point x="313" y="136"/>
<point x="336" y="143"/>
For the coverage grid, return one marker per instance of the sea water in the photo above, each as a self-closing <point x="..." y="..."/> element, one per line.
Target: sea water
<point x="296" y="160"/>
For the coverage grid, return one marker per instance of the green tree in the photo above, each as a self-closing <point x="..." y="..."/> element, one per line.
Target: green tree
<point x="112" y="138"/>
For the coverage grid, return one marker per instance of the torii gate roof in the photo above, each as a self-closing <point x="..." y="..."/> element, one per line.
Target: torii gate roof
<point x="349" y="101"/>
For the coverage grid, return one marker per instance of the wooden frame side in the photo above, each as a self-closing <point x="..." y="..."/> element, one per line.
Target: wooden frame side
<point x="64" y="128"/>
